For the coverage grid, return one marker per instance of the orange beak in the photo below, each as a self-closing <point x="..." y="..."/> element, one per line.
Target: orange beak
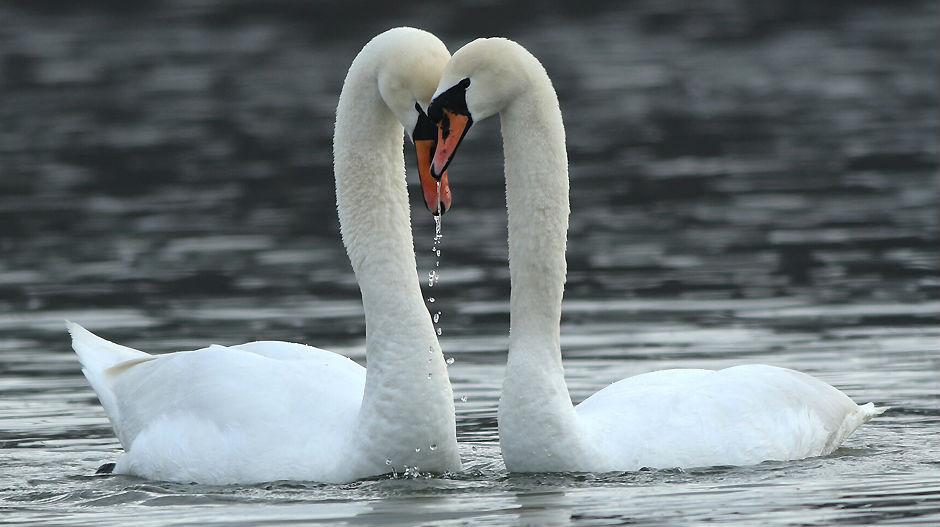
<point x="436" y="191"/>
<point x="451" y="131"/>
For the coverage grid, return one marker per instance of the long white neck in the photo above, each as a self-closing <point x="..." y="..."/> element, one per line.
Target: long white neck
<point x="408" y="400"/>
<point x="537" y="421"/>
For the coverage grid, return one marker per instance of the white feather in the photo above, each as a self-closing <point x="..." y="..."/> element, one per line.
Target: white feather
<point x="267" y="411"/>
<point x="673" y="418"/>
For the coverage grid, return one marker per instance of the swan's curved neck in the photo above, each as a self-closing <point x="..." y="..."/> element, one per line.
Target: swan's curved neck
<point x="536" y="167"/>
<point x="371" y="196"/>
<point x="534" y="393"/>
<point x="406" y="377"/>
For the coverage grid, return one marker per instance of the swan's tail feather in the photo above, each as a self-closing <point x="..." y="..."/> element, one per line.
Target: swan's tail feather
<point x="99" y="358"/>
<point x="869" y="410"/>
<point x="97" y="354"/>
<point x="850" y="424"/>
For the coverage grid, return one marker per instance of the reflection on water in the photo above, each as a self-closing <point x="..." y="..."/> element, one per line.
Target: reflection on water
<point x="751" y="182"/>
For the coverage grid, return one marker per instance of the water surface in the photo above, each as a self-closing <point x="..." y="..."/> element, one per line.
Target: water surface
<point x="751" y="182"/>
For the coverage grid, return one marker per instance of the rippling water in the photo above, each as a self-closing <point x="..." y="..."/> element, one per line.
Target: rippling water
<point x="751" y="182"/>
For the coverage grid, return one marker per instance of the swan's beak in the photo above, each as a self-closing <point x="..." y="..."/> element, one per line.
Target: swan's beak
<point x="451" y="130"/>
<point x="436" y="191"/>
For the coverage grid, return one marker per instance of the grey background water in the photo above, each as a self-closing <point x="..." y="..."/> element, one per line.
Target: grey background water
<point x="752" y="181"/>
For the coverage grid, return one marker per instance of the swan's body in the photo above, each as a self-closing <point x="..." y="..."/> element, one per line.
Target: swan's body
<point x="268" y="411"/>
<point x="671" y="418"/>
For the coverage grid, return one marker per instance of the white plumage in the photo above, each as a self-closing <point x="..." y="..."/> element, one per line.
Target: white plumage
<point x="267" y="411"/>
<point x="260" y="411"/>
<point x="672" y="418"/>
<point x="736" y="416"/>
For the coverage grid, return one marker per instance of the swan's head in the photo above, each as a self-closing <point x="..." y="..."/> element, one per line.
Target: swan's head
<point x="409" y="63"/>
<point x="481" y="80"/>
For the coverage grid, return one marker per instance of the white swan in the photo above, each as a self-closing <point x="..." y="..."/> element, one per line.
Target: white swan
<point x="672" y="418"/>
<point x="267" y="411"/>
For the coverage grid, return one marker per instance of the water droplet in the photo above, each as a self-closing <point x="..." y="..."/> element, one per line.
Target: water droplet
<point x="388" y="461"/>
<point x="449" y="361"/>
<point x="433" y="446"/>
<point x="473" y="449"/>
<point x="439" y="332"/>
<point x="430" y="349"/>
<point x="437" y="252"/>
<point x="429" y="375"/>
<point x="417" y="450"/>
<point x="437" y="317"/>
<point x="463" y="398"/>
<point x="431" y="299"/>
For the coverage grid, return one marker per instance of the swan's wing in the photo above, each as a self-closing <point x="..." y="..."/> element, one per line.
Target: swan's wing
<point x="257" y="399"/>
<point x="278" y="350"/>
<point x="736" y="416"/>
<point x="233" y="387"/>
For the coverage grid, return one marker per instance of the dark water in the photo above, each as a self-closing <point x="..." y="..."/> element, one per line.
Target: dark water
<point x="751" y="182"/>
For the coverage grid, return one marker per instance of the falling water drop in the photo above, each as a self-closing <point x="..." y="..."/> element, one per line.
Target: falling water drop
<point x="463" y="398"/>
<point x="417" y="450"/>
<point x="449" y="361"/>
<point x="438" y="201"/>
<point x="433" y="446"/>
<point x="433" y="274"/>
<point x="388" y="461"/>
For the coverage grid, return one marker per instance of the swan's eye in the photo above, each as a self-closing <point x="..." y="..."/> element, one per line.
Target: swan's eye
<point x="453" y="99"/>
<point x="434" y="111"/>
<point x="424" y="128"/>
